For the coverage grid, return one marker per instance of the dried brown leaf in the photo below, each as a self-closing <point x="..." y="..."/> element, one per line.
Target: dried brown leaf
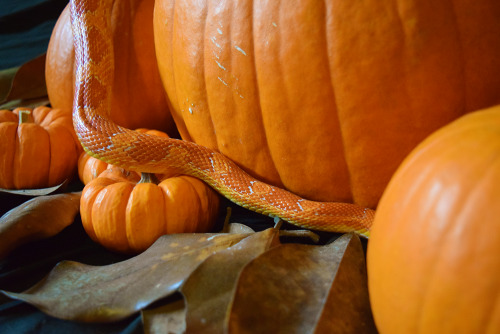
<point x="38" y="218"/>
<point x="347" y="308"/>
<point x="166" y="319"/>
<point x="210" y="288"/>
<point x="239" y="228"/>
<point x="24" y="82"/>
<point x="76" y="291"/>
<point x="234" y="227"/>
<point x="35" y="192"/>
<point x="297" y="288"/>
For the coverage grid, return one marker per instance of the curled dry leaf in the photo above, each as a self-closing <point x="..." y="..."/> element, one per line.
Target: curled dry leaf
<point x="297" y="288"/>
<point x="24" y="82"/>
<point x="169" y="318"/>
<point x="38" y="218"/>
<point x="239" y="228"/>
<point x="209" y="289"/>
<point x="80" y="292"/>
<point x="229" y="227"/>
<point x="35" y="192"/>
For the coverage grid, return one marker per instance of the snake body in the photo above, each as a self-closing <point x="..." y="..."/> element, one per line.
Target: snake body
<point x="129" y="149"/>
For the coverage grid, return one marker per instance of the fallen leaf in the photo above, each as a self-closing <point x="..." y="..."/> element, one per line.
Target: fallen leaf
<point x="38" y="218"/>
<point x="169" y="318"/>
<point x="297" y="288"/>
<point x="209" y="289"/>
<point x="239" y="228"/>
<point x="75" y="291"/>
<point x="347" y="308"/>
<point x="35" y="192"/>
<point x="24" y="82"/>
<point x="229" y="227"/>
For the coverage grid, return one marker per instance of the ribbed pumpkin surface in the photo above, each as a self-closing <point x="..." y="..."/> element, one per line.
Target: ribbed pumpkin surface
<point x="434" y="252"/>
<point x="325" y="98"/>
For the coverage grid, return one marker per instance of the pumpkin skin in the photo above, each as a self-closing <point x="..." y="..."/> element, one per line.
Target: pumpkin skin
<point x="138" y="99"/>
<point x="90" y="168"/>
<point x="127" y="217"/>
<point x="433" y="256"/>
<point x="37" y="154"/>
<point x="325" y="99"/>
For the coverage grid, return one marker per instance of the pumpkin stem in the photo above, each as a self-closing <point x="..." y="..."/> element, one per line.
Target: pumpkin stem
<point x="25" y="116"/>
<point x="148" y="178"/>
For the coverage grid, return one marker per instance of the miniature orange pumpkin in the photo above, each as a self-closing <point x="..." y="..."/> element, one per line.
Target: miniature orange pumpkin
<point x="126" y="213"/>
<point x="138" y="99"/>
<point x="325" y="98"/>
<point x="434" y="253"/>
<point x="90" y="168"/>
<point x="38" y="148"/>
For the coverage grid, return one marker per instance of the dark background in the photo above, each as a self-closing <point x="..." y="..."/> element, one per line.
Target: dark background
<point x="25" y="28"/>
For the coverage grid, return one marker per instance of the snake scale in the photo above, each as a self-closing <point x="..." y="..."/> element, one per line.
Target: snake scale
<point x="129" y="149"/>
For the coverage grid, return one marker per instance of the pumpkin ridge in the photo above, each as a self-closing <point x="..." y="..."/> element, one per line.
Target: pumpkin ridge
<point x="258" y="100"/>
<point x="465" y="204"/>
<point x="431" y="277"/>
<point x="494" y="310"/>
<point x="265" y="129"/>
<point x="198" y="200"/>
<point x="193" y="122"/>
<point x="173" y="100"/>
<point x="8" y="171"/>
<point x="279" y="73"/>
<point x="261" y="129"/>
<point x="331" y="80"/>
<point x="204" y="67"/>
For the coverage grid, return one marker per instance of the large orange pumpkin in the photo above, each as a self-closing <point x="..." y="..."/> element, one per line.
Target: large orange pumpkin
<point x="138" y="99"/>
<point x="434" y="253"/>
<point x="38" y="148"/>
<point x="325" y="98"/>
<point x="126" y="213"/>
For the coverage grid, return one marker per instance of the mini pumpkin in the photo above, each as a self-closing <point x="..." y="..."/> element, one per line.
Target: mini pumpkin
<point x="90" y="168"/>
<point x="127" y="213"/>
<point x="434" y="253"/>
<point x="38" y="148"/>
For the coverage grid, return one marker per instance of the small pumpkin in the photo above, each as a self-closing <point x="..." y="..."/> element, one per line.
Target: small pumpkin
<point x="90" y="168"/>
<point x="136" y="68"/>
<point x="127" y="213"/>
<point x="38" y="148"/>
<point x="434" y="253"/>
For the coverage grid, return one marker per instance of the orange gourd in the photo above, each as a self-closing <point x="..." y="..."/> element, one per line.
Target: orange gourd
<point x="434" y="253"/>
<point x="38" y="148"/>
<point x="90" y="168"/>
<point x="325" y="98"/>
<point x="138" y="99"/>
<point x="126" y="213"/>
